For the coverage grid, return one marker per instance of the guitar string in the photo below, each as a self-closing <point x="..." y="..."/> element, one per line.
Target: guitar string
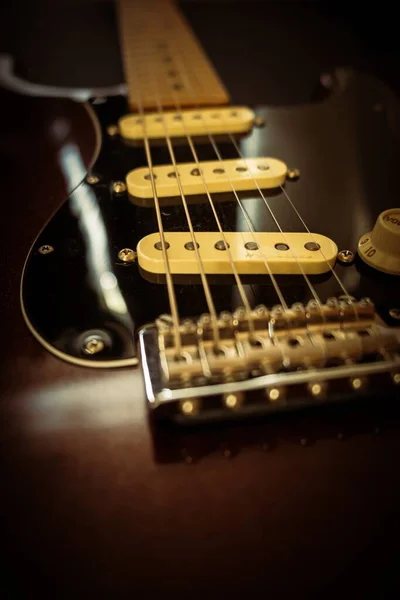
<point x="236" y="275"/>
<point x="231" y="137"/>
<point x="341" y="284"/>
<point x="206" y="287"/>
<point x="218" y="154"/>
<point x="245" y="214"/>
<point x="170" y="284"/>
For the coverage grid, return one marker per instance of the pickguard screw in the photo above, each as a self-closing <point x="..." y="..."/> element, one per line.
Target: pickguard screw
<point x="92" y="179"/>
<point x="127" y="255"/>
<point x="93" y="346"/>
<point x="118" y="187"/>
<point x="259" y="121"/>
<point x="395" y="313"/>
<point x="46" y="249"/>
<point x="293" y="174"/>
<point x="346" y="257"/>
<point x="112" y="130"/>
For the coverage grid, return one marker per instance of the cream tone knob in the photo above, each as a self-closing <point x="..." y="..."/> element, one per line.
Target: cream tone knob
<point x="381" y="247"/>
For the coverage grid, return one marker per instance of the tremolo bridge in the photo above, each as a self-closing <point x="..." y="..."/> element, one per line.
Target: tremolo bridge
<point x="267" y="360"/>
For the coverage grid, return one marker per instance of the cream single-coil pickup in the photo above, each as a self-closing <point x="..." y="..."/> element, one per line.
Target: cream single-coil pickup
<point x="213" y="176"/>
<point x="289" y="253"/>
<point x="215" y="121"/>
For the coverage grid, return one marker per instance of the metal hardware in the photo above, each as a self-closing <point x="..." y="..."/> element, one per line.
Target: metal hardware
<point x="94" y="345"/>
<point x="158" y="245"/>
<point x="395" y="313"/>
<point x="251" y="246"/>
<point x="275" y="393"/>
<point x="127" y="255"/>
<point x="274" y="374"/>
<point x="190" y="407"/>
<point x="232" y="401"/>
<point x="220" y="245"/>
<point x="112" y="130"/>
<point x="92" y="179"/>
<point x="317" y="388"/>
<point x="358" y="383"/>
<point x="46" y="249"/>
<point x="346" y="257"/>
<point x="312" y="246"/>
<point x="190" y="245"/>
<point x="293" y="174"/>
<point x="118" y="188"/>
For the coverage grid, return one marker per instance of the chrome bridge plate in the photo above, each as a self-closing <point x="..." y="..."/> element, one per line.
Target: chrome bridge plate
<point x="268" y="367"/>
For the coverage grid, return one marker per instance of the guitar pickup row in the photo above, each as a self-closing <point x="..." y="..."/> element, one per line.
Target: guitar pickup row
<point x="209" y="176"/>
<point x="208" y="121"/>
<point x="252" y="254"/>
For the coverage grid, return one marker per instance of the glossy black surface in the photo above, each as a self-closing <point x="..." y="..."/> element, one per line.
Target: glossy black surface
<point x="345" y="145"/>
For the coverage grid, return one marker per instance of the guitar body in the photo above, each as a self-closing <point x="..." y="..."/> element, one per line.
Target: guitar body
<point x="336" y="165"/>
<point x="102" y="500"/>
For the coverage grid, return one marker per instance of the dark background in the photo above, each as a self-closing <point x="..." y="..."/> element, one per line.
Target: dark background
<point x="275" y="48"/>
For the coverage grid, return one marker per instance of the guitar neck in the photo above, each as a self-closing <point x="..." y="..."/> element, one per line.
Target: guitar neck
<point x="164" y="63"/>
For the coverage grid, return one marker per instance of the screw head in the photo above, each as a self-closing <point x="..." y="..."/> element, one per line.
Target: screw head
<point x="274" y="394"/>
<point x="93" y="346"/>
<point x="112" y="130"/>
<point x="317" y="388"/>
<point x="189" y="407"/>
<point x="127" y="255"/>
<point x="233" y="401"/>
<point x="118" y="187"/>
<point x="395" y="313"/>
<point x="358" y="383"/>
<point x="92" y="179"/>
<point x="346" y="257"/>
<point x="293" y="174"/>
<point x="46" y="249"/>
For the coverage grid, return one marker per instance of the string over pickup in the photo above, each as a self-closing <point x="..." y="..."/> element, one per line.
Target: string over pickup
<point x="252" y="254"/>
<point x="200" y="122"/>
<point x="214" y="176"/>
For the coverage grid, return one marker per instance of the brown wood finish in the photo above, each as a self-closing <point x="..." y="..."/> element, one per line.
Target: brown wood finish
<point x="89" y="512"/>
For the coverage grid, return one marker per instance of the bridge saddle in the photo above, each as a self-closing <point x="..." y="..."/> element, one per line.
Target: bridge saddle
<point x="267" y="360"/>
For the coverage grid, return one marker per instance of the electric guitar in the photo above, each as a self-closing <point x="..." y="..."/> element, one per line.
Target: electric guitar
<point x="204" y="249"/>
<point x="220" y="281"/>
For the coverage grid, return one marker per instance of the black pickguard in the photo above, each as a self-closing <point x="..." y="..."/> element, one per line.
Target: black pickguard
<point x="346" y="148"/>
